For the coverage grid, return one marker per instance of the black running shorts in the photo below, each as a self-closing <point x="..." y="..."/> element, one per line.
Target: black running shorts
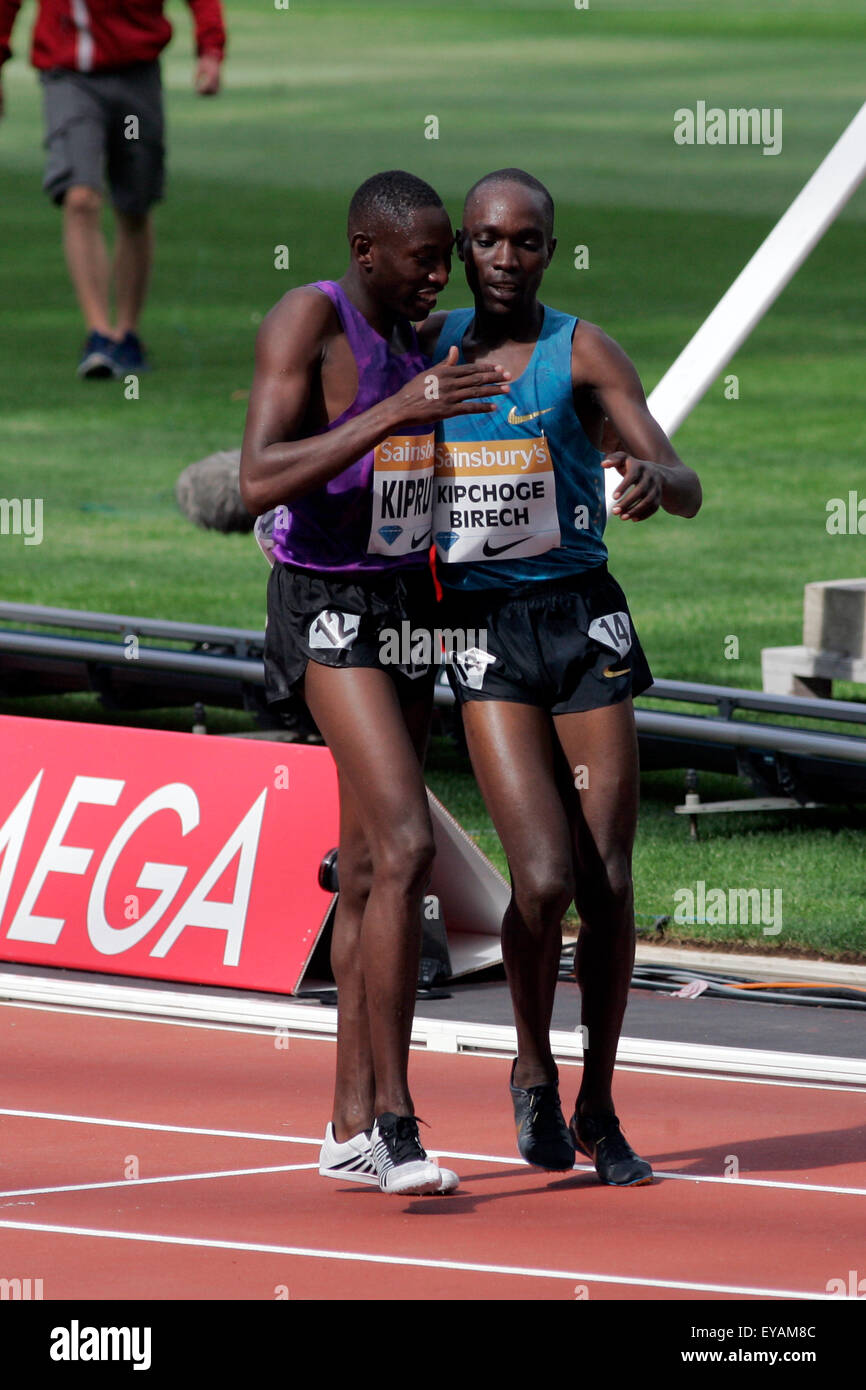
<point x="313" y="616"/>
<point x="565" y="646"/>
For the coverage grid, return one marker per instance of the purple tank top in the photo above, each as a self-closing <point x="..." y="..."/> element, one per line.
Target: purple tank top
<point x="377" y="514"/>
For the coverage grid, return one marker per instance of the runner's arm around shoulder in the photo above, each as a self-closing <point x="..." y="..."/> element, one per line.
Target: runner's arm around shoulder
<point x="278" y="464"/>
<point x="653" y="473"/>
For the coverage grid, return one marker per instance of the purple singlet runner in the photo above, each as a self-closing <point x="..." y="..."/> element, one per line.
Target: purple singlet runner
<point x="376" y="515"/>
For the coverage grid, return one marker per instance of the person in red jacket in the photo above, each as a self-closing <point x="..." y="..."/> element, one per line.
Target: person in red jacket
<point x="99" y="67"/>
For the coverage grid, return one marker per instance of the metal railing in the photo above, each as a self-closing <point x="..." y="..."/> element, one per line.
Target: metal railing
<point x="223" y="665"/>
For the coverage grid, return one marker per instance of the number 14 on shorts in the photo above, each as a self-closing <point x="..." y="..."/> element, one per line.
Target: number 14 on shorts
<point x="613" y="630"/>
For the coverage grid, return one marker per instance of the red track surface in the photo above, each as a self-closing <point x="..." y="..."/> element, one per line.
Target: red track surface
<point x="535" y="1235"/>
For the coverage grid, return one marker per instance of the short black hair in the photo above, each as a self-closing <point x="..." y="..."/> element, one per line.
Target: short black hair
<point x="386" y="199"/>
<point x="517" y="176"/>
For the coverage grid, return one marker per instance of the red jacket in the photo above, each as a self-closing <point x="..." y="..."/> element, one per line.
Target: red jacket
<point x="93" y="34"/>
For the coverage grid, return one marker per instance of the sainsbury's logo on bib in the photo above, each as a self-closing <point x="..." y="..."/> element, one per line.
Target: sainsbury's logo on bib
<point x="494" y="456"/>
<point x="402" y="494"/>
<point x="401" y="451"/>
<point x="492" y="498"/>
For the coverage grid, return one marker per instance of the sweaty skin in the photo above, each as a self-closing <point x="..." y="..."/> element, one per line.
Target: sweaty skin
<point x="562" y="843"/>
<point x="306" y="376"/>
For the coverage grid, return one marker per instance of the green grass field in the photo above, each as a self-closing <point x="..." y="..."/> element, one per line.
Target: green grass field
<point x="317" y="97"/>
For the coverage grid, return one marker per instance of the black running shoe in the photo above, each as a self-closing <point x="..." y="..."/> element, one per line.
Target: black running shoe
<point x="401" y="1163"/>
<point x="543" y="1138"/>
<point x="602" y="1140"/>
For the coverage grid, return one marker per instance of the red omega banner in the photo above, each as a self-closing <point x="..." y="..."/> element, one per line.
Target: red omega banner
<point x="170" y="856"/>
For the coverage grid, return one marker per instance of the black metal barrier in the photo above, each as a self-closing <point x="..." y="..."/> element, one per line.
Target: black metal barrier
<point x="141" y="663"/>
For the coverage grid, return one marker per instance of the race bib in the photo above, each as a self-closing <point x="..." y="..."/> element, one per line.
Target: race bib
<point x="333" y="630"/>
<point x="493" y="498"/>
<point x="613" y="630"/>
<point x="471" y="666"/>
<point x="402" y="494"/>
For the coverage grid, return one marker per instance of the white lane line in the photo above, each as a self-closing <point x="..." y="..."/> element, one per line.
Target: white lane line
<point x="169" y="1129"/>
<point x="508" y="1159"/>
<point x="661" y="1173"/>
<point x="168" y="1177"/>
<point x="761" y="1182"/>
<point x="410" y="1261"/>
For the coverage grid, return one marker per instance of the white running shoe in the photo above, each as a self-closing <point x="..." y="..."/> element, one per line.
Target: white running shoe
<point x="399" y="1156"/>
<point x="353" y="1162"/>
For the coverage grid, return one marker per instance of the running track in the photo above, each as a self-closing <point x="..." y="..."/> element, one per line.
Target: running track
<point x="222" y="1127"/>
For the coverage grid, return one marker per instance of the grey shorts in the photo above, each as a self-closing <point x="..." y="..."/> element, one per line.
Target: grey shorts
<point x="102" y="125"/>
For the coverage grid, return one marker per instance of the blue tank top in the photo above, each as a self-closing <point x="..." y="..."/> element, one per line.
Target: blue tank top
<point x="519" y="492"/>
<point x="376" y="515"/>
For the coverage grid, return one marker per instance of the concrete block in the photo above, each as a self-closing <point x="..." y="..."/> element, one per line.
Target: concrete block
<point x="834" y="617"/>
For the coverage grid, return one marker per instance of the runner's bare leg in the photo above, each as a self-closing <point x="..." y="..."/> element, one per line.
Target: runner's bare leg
<point x="604" y="819"/>
<point x="377" y="938"/>
<point x="513" y="756"/>
<point x="355" y="1085"/>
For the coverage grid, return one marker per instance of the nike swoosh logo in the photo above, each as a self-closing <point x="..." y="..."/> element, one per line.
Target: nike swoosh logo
<point x="624" y="672"/>
<point x="514" y="419"/>
<point x="416" y="540"/>
<point x="489" y="549"/>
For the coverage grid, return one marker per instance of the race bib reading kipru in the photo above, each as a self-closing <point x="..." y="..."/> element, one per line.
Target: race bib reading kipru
<point x="402" y="494"/>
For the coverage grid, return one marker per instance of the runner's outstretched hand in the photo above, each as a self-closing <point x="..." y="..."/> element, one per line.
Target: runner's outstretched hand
<point x="640" y="492"/>
<point x="448" y="389"/>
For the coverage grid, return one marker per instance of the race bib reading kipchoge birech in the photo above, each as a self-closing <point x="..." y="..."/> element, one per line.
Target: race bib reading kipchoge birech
<point x="494" y="497"/>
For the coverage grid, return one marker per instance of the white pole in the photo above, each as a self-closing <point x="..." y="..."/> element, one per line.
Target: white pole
<point x="759" y="283"/>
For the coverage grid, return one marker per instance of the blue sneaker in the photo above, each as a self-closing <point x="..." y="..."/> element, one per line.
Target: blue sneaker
<point x="97" y="358"/>
<point x="129" y="356"/>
